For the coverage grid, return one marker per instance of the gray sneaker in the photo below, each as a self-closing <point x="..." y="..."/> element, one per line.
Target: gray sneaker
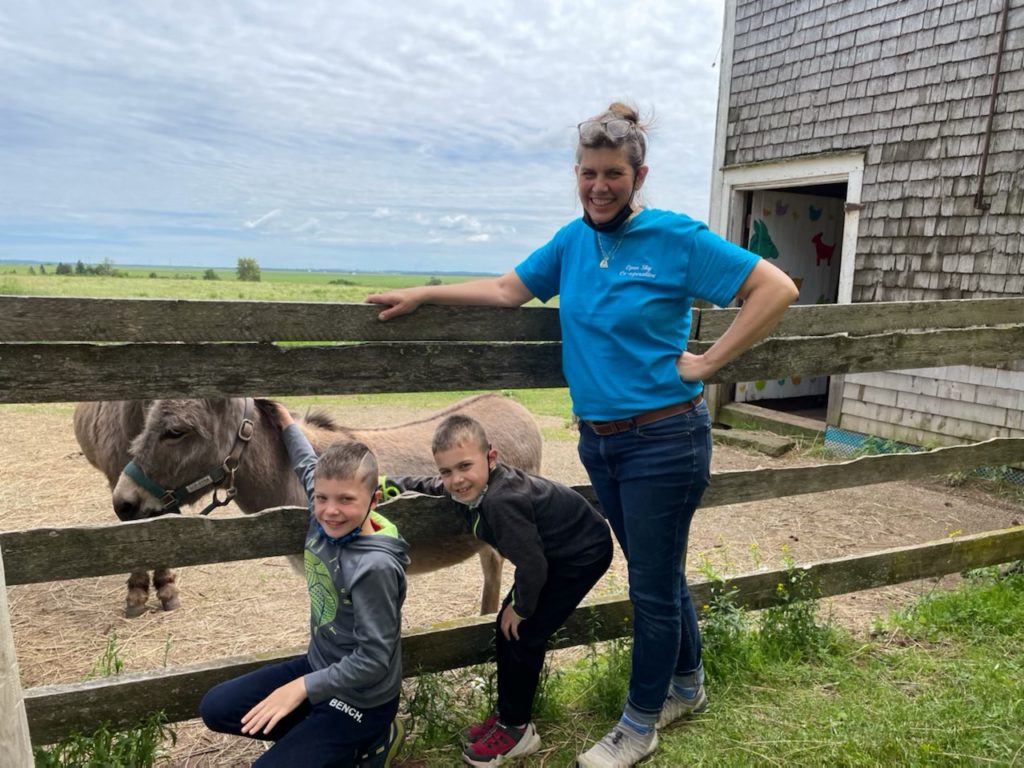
<point x="621" y="747"/>
<point x="677" y="706"/>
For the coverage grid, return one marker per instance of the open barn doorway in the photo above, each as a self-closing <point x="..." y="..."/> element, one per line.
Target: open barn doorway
<point x="800" y="230"/>
<point x="803" y="216"/>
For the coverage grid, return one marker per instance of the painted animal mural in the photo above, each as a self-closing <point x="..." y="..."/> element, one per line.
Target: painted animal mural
<point x="761" y="242"/>
<point x="173" y="443"/>
<point x="822" y="250"/>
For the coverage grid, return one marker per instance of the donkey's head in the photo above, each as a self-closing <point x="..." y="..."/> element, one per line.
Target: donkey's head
<point x="181" y="443"/>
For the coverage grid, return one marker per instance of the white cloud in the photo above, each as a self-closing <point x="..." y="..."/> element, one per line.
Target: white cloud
<point x="257" y="223"/>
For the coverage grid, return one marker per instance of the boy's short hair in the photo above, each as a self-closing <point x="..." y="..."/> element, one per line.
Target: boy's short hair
<point x="457" y="429"/>
<point x="348" y="460"/>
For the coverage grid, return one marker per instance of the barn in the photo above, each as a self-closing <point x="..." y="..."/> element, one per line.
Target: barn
<point x="874" y="149"/>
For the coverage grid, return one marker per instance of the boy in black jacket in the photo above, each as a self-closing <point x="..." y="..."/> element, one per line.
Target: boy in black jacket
<point x="560" y="546"/>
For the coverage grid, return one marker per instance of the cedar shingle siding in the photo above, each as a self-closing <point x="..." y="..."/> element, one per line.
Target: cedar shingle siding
<point x="907" y="82"/>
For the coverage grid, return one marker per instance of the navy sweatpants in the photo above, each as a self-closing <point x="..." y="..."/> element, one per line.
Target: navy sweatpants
<point x="325" y="735"/>
<point x="521" y="661"/>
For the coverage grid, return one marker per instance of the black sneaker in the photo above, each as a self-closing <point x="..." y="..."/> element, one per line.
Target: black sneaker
<point x="382" y="752"/>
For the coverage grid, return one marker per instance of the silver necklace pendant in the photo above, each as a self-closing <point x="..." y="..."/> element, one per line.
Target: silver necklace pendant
<point x="607" y="256"/>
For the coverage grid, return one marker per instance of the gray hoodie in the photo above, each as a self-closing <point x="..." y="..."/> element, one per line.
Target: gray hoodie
<point x="356" y="592"/>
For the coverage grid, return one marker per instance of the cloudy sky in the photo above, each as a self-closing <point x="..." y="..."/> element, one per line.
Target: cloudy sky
<point x="429" y="135"/>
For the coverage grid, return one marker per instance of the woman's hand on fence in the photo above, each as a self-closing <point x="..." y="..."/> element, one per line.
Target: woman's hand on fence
<point x="400" y="302"/>
<point x="268" y="713"/>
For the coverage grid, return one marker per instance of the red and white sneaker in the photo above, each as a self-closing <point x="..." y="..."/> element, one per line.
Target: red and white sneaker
<point x="502" y="744"/>
<point x="478" y="731"/>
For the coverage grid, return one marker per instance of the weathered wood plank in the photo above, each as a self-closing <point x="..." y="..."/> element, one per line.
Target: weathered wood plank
<point x="876" y="317"/>
<point x="737" y="486"/>
<point x="61" y="372"/>
<point x="15" y="742"/>
<point x="47" y="318"/>
<point x="776" y="358"/>
<point x="174" y="541"/>
<point x="51" y="554"/>
<point x="54" y="711"/>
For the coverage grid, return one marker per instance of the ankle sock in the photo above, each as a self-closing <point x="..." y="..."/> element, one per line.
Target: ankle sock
<point x="641" y="729"/>
<point x="684" y="693"/>
<point x="686" y="685"/>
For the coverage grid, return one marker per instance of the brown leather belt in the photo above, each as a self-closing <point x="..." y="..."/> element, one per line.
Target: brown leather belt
<point x="614" y="427"/>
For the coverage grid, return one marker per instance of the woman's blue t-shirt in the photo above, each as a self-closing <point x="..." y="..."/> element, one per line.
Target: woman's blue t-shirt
<point x="624" y="326"/>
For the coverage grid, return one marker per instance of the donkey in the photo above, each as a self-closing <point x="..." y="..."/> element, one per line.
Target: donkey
<point x="181" y="440"/>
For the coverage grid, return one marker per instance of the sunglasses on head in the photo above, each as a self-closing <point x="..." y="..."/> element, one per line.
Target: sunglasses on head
<point x="616" y="128"/>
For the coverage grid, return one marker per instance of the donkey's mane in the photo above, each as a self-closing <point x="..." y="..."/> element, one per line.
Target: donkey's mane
<point x="322" y="420"/>
<point x="319" y="419"/>
<point x="314" y="418"/>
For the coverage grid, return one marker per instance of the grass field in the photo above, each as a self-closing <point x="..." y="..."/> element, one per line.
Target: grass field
<point x="188" y="283"/>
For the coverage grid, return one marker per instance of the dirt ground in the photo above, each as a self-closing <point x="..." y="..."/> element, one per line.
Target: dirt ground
<point x="61" y="628"/>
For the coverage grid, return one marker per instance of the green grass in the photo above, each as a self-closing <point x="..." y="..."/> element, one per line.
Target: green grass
<point x="940" y="684"/>
<point x="187" y="283"/>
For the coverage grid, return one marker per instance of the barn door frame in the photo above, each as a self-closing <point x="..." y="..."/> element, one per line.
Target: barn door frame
<point x="730" y="186"/>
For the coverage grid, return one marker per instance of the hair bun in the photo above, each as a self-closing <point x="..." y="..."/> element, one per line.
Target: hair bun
<point x="625" y="111"/>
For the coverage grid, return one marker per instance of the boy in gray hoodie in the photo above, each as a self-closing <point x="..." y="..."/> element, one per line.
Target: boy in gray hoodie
<point x="335" y="706"/>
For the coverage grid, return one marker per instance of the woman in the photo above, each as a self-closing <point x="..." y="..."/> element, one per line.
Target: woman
<point x="626" y="277"/>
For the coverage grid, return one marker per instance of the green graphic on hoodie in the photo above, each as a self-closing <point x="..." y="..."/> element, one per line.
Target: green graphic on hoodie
<point x="323" y="601"/>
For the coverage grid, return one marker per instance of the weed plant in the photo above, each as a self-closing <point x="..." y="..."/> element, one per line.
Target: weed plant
<point x="110" y="663"/>
<point x="107" y="747"/>
<point x="435" y="713"/>
<point x="789" y="629"/>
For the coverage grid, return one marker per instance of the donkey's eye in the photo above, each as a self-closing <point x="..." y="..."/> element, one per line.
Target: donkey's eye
<point x="171" y="434"/>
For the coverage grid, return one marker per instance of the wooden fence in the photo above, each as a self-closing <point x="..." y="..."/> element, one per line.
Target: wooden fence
<point x="57" y="349"/>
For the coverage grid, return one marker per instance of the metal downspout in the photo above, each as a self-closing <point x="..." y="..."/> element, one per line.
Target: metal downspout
<point x="979" y="201"/>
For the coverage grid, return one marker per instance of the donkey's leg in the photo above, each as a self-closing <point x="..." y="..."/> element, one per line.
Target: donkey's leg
<point x="166" y="588"/>
<point x="490" y="562"/>
<point x="138" y="594"/>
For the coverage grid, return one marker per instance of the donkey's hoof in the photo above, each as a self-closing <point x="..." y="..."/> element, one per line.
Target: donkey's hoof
<point x="170" y="604"/>
<point x="132" y="611"/>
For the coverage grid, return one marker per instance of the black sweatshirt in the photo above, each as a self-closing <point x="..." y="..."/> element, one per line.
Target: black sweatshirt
<point x="531" y="521"/>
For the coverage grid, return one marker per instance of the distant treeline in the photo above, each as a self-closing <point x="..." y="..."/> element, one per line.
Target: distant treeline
<point x="247" y="270"/>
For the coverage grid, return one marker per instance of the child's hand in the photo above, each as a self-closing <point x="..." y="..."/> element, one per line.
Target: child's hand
<point x="388" y="490"/>
<point x="280" y="415"/>
<point x="268" y="713"/>
<point x="510" y="623"/>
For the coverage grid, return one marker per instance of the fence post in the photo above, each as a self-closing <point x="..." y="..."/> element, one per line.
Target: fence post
<point x="15" y="744"/>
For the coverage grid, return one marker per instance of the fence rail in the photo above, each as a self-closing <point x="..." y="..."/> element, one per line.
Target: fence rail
<point x="50" y="554"/>
<point x="42" y="318"/>
<point x="55" y="349"/>
<point x="54" y="711"/>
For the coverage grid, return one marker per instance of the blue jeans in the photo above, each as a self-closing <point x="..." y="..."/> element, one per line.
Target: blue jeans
<point x="649" y="481"/>
<point x="325" y="735"/>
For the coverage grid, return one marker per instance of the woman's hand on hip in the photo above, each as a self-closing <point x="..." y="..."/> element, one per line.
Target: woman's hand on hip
<point x="691" y="367"/>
